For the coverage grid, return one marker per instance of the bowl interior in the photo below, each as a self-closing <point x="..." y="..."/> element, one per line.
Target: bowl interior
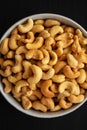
<point x="11" y="100"/>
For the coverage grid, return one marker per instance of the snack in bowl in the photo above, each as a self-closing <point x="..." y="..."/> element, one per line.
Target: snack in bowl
<point x="43" y="65"/>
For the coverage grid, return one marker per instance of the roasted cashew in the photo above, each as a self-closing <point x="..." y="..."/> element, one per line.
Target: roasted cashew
<point x="4" y="48"/>
<point x="37" y="93"/>
<point x="37" y="105"/>
<point x="45" y="85"/>
<point x="49" y="74"/>
<point x="55" y="30"/>
<point x="15" y="78"/>
<point x="63" y="95"/>
<point x="70" y="86"/>
<point x="46" y="58"/>
<point x="58" y="78"/>
<point x="53" y="59"/>
<point x="7" y="85"/>
<point x="59" y="65"/>
<point x="37" y="75"/>
<point x="51" y="22"/>
<point x="48" y="102"/>
<point x="39" y="21"/>
<point x="72" y="61"/>
<point x="8" y="63"/>
<point x="76" y="99"/>
<point x="56" y="108"/>
<point x="13" y="41"/>
<point x="45" y="34"/>
<point x="44" y="67"/>
<point x="65" y="105"/>
<point x="84" y="85"/>
<point x="54" y="88"/>
<point x="26" y="91"/>
<point x="6" y="72"/>
<point x="82" y="77"/>
<point x="59" y="51"/>
<point x="18" y="64"/>
<point x="36" y="44"/>
<point x="10" y="54"/>
<point x="69" y="73"/>
<point x="34" y="54"/>
<point x="26" y="103"/>
<point x="37" y="28"/>
<point x="20" y="50"/>
<point x="19" y="84"/>
<point x="69" y="29"/>
<point x="24" y="28"/>
<point x="16" y="95"/>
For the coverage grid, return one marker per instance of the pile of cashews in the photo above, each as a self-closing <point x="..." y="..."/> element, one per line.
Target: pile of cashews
<point x="43" y="65"/>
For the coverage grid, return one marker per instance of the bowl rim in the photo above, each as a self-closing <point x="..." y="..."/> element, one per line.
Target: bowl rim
<point x="10" y="99"/>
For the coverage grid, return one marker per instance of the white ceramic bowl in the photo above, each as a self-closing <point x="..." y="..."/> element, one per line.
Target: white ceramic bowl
<point x="11" y="100"/>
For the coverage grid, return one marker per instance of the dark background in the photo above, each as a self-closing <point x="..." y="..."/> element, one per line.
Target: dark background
<point x="10" y="12"/>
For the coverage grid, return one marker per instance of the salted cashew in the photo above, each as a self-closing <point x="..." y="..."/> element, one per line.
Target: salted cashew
<point x="26" y="91"/>
<point x="19" y="84"/>
<point x="6" y="72"/>
<point x="84" y="85"/>
<point x="55" y="30"/>
<point x="54" y="88"/>
<point x="34" y="54"/>
<point x="18" y="64"/>
<point x="37" y="105"/>
<point x="70" y="86"/>
<point x="8" y="63"/>
<point x="15" y="78"/>
<point x="13" y="41"/>
<point x="48" y="102"/>
<point x="69" y="73"/>
<point x="37" y="28"/>
<point x="37" y="75"/>
<point x="10" y="54"/>
<point x="39" y="21"/>
<point x="4" y="48"/>
<point x="20" y="50"/>
<point x="72" y="61"/>
<point x="65" y="105"/>
<point x="45" y="34"/>
<point x="51" y="22"/>
<point x="58" y="78"/>
<point x="24" y="28"/>
<point x="36" y="44"/>
<point x="26" y="103"/>
<point x="37" y="93"/>
<point x="46" y="57"/>
<point x="76" y="99"/>
<point x="59" y="51"/>
<point x="59" y="65"/>
<point x="53" y="59"/>
<point x="82" y="77"/>
<point x="44" y="67"/>
<point x="27" y="69"/>
<point x="45" y="85"/>
<point x="7" y="85"/>
<point x="49" y="74"/>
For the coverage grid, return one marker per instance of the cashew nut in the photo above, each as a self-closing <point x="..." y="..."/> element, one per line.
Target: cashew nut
<point x="37" y="93"/>
<point x="4" y="46"/>
<point x="45" y="34"/>
<point x="76" y="99"/>
<point x="51" y="22"/>
<point x="54" y="88"/>
<point x="36" y="44"/>
<point x="24" y="28"/>
<point x="65" y="105"/>
<point x="20" y="50"/>
<point x="58" y="78"/>
<point x="84" y="85"/>
<point x="8" y="85"/>
<point x="10" y="54"/>
<point x="44" y="67"/>
<point x="82" y="77"/>
<point x="6" y="72"/>
<point x="37" y="28"/>
<point x="39" y="21"/>
<point x="46" y="58"/>
<point x="53" y="59"/>
<point x="26" y="103"/>
<point x="45" y="85"/>
<point x="8" y="63"/>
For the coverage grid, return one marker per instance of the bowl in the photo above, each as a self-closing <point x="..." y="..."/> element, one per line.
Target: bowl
<point x="11" y="100"/>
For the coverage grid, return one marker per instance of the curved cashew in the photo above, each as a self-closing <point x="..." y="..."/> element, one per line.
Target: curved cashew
<point x="59" y="51"/>
<point x="13" y="41"/>
<point x="69" y="29"/>
<point x="45" y="85"/>
<point x="8" y="63"/>
<point x="20" y="50"/>
<point x="69" y="73"/>
<point x="37" y="93"/>
<point x="72" y="87"/>
<point x="4" y="46"/>
<point x="10" y="54"/>
<point x="26" y="91"/>
<point x="44" y="67"/>
<point x="59" y="65"/>
<point x="63" y="95"/>
<point x="58" y="78"/>
<point x="54" y="88"/>
<point x="76" y="99"/>
<point x="8" y="85"/>
<point x="82" y="77"/>
<point x="24" y="28"/>
<point x="6" y="72"/>
<point x="16" y="95"/>
<point x="49" y="74"/>
<point x="39" y="21"/>
<point x="48" y="102"/>
<point x="46" y="58"/>
<point x="15" y="78"/>
<point x="51" y="22"/>
<point x="72" y="61"/>
<point x="37" y="74"/>
<point x="34" y="54"/>
<point x="36" y="44"/>
<point x="18" y="65"/>
<point x="56" y="108"/>
<point x="53" y="59"/>
<point x="65" y="105"/>
<point x="45" y="34"/>
<point x="26" y="103"/>
<point x="27" y="69"/>
<point x="19" y="84"/>
<point x="37" y="105"/>
<point x="84" y="85"/>
<point x="37" y="28"/>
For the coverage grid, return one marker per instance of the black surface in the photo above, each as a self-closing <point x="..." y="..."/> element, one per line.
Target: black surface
<point x="10" y="12"/>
